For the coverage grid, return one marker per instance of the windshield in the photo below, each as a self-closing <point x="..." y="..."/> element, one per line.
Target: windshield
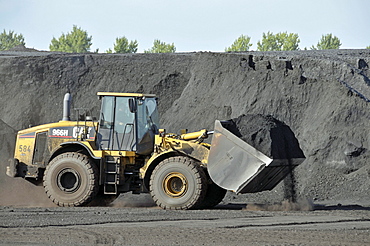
<point x="148" y="117"/>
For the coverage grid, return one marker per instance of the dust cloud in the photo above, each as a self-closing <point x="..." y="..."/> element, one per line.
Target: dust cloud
<point x="302" y="204"/>
<point x="133" y="201"/>
<point x="21" y="193"/>
<point x="17" y="192"/>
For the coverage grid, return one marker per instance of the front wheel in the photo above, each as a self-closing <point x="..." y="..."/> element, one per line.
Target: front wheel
<point x="215" y="194"/>
<point x="178" y="183"/>
<point x="71" y="179"/>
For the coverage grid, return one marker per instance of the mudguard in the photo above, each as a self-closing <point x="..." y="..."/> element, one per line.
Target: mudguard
<point x="12" y="169"/>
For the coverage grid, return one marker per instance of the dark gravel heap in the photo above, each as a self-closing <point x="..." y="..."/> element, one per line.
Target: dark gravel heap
<point x="321" y="95"/>
<point x="274" y="139"/>
<point x="268" y="135"/>
<point x="7" y="140"/>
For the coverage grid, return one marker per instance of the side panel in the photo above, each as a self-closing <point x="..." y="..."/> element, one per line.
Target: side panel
<point x="35" y="145"/>
<point x="41" y="150"/>
<point x="23" y="151"/>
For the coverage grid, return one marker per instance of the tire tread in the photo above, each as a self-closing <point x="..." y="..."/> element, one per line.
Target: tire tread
<point x="201" y="185"/>
<point x="93" y="177"/>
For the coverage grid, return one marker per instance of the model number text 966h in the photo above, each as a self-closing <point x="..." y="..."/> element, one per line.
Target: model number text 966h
<point x="60" y="132"/>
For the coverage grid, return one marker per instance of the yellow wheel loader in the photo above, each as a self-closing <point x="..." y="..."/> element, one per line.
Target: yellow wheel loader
<point x="88" y="162"/>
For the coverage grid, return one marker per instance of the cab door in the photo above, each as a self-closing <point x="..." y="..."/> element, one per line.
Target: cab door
<point x="117" y="128"/>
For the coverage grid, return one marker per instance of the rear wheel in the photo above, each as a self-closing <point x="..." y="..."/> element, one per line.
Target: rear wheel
<point x="71" y="179"/>
<point x="178" y="183"/>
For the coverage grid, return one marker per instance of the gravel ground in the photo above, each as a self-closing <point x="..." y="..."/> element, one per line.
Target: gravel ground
<point x="232" y="224"/>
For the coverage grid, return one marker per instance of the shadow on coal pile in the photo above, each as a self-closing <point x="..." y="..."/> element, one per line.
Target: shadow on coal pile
<point x="286" y="205"/>
<point x="231" y="206"/>
<point x="341" y="207"/>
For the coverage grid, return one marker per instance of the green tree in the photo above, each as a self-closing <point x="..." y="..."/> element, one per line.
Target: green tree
<point x="278" y="42"/>
<point x="10" y="40"/>
<point x="327" y="42"/>
<point x="240" y="44"/>
<point x="76" y="41"/>
<point x="161" y="47"/>
<point x="368" y="47"/>
<point x="122" y="45"/>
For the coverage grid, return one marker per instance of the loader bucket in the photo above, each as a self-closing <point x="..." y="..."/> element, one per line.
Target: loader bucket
<point x="237" y="166"/>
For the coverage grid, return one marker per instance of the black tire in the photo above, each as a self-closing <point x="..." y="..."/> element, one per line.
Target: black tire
<point x="178" y="183"/>
<point x="71" y="180"/>
<point x="214" y="195"/>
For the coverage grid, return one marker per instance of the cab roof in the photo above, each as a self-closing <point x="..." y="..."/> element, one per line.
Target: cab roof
<point x="120" y="94"/>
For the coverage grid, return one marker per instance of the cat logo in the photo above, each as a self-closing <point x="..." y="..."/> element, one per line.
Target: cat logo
<point x="79" y="131"/>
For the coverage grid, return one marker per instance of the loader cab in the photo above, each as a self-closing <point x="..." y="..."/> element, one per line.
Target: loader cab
<point x="128" y="122"/>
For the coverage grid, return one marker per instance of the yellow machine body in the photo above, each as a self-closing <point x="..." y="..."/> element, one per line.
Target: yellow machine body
<point x="81" y="161"/>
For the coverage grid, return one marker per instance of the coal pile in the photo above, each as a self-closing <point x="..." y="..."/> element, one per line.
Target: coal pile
<point x="268" y="135"/>
<point x="274" y="139"/>
<point x="323" y="96"/>
<point x="7" y="139"/>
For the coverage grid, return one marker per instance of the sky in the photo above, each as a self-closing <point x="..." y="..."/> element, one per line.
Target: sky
<point x="192" y="25"/>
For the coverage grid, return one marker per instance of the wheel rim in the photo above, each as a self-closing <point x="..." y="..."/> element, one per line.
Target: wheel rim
<point x="68" y="180"/>
<point x="175" y="185"/>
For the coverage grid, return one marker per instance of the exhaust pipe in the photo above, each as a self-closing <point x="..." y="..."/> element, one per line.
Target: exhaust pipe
<point x="67" y="107"/>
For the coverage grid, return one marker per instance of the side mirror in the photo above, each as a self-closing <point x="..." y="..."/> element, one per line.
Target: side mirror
<point x="132" y="105"/>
